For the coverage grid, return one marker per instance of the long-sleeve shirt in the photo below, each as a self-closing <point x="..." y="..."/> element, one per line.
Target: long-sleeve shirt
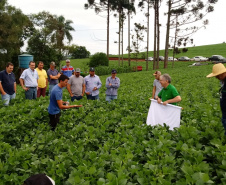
<point x="112" y="90"/>
<point x="92" y="82"/>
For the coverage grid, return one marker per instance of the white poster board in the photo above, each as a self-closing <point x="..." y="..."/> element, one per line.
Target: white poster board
<point x="159" y="114"/>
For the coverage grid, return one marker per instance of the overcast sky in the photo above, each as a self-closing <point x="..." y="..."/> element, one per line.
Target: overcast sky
<point x="90" y="28"/>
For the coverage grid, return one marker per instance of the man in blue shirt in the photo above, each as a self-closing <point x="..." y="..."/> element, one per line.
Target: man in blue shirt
<point x="112" y="84"/>
<point x="7" y="84"/>
<point x="29" y="81"/>
<point x="56" y="103"/>
<point x="93" y="84"/>
<point x="53" y="76"/>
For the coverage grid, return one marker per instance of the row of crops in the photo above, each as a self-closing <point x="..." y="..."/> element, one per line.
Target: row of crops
<point x="110" y="144"/>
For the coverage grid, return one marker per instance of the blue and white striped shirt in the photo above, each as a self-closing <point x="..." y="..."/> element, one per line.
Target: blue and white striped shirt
<point x="113" y="89"/>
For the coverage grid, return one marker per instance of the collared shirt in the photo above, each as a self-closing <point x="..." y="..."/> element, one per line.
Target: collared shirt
<point x="92" y="82"/>
<point x="53" y="73"/>
<point x="56" y="94"/>
<point x="158" y="86"/>
<point x="30" y="77"/>
<point x="8" y="80"/>
<point x="68" y="71"/>
<point x="76" y="85"/>
<point x="42" y="76"/>
<point x="113" y="89"/>
<point x="168" y="93"/>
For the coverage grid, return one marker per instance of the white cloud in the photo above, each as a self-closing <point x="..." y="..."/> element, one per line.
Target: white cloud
<point x="91" y="28"/>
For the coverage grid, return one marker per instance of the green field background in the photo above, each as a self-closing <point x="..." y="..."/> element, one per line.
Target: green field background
<point x="110" y="144"/>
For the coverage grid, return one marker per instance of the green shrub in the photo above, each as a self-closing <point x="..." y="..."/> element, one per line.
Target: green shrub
<point x="99" y="59"/>
<point x="106" y="70"/>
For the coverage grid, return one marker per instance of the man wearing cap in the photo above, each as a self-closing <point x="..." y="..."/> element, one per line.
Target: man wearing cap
<point x="29" y="81"/>
<point x="219" y="71"/>
<point x="7" y="84"/>
<point x="157" y="87"/>
<point x="53" y="76"/>
<point x="42" y="79"/>
<point x="93" y="84"/>
<point x="76" y="86"/>
<point x="112" y="84"/>
<point x="169" y="93"/>
<point x="67" y="69"/>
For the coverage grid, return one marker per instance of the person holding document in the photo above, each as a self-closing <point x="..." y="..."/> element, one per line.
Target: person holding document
<point x="169" y="93"/>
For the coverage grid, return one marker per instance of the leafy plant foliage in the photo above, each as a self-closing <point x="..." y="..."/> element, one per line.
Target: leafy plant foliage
<point x="109" y="144"/>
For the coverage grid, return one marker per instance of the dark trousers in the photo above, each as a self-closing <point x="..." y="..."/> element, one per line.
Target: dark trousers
<point x="76" y="98"/>
<point x="53" y="120"/>
<point x="41" y="92"/>
<point x="90" y="97"/>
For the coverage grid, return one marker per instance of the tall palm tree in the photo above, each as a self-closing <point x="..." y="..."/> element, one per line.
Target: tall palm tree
<point x="62" y="31"/>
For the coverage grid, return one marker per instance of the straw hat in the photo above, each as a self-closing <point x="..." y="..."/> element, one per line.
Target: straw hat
<point x="217" y="70"/>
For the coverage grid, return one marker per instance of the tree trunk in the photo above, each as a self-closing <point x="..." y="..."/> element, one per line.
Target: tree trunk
<point x="167" y="35"/>
<point x="147" y="36"/>
<point x="154" y="59"/>
<point x="108" y="22"/>
<point x="129" y="37"/>
<point x="119" y="33"/>
<point x="122" y="34"/>
<point x="175" y="41"/>
<point x="158" y="35"/>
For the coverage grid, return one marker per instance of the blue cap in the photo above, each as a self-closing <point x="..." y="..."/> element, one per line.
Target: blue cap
<point x="113" y="71"/>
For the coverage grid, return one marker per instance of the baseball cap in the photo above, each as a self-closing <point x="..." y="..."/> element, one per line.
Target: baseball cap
<point x="92" y="69"/>
<point x="77" y="70"/>
<point x="113" y="71"/>
<point x="67" y="60"/>
<point x="53" y="64"/>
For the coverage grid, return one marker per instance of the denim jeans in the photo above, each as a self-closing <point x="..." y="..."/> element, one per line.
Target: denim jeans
<point x="6" y="98"/>
<point x="31" y="93"/>
<point x="109" y="98"/>
<point x="76" y="98"/>
<point x="90" y="97"/>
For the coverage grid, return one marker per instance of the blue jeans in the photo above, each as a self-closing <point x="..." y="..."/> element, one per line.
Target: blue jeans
<point x="31" y="93"/>
<point x="50" y="88"/>
<point x="6" y="98"/>
<point x="76" y="97"/>
<point x="90" y="97"/>
<point x="109" y="98"/>
<point x="224" y="125"/>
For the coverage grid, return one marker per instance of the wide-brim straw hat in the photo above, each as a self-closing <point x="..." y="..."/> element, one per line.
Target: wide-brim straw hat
<point x="217" y="70"/>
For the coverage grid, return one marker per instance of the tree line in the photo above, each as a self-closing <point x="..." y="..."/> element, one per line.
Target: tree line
<point x="184" y="18"/>
<point x="45" y="33"/>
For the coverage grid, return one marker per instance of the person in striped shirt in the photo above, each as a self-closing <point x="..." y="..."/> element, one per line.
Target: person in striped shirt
<point x="67" y="69"/>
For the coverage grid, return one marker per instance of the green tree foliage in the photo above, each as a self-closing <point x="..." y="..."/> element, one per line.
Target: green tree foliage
<point x="80" y="52"/>
<point x="15" y="27"/>
<point x="61" y="31"/>
<point x="41" y="51"/>
<point x="47" y="42"/>
<point x="99" y="59"/>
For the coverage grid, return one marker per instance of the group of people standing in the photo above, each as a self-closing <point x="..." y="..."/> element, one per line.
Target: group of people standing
<point x="35" y="82"/>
